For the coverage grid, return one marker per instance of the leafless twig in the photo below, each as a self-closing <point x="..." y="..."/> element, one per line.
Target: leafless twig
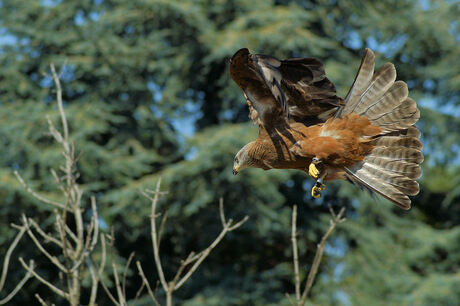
<point x="53" y="288"/>
<point x="57" y="82"/>
<point x="121" y="297"/>
<point x="40" y="300"/>
<point x="153" y="233"/>
<point x="46" y="236"/>
<point x="101" y="269"/>
<point x="37" y="243"/>
<point x="336" y="219"/>
<point x="295" y="252"/>
<point x="125" y="272"/>
<point x="146" y="283"/>
<point x="76" y="241"/>
<point x="6" y="263"/>
<point x="193" y="260"/>
<point x="35" y="194"/>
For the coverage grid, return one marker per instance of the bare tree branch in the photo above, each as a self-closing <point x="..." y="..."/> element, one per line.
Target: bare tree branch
<point x="94" y="283"/>
<point x="101" y="269"/>
<point x="54" y="132"/>
<point x="192" y="259"/>
<point x="121" y="297"/>
<point x="109" y="294"/>
<point x="18" y="286"/>
<point x="53" y="288"/>
<point x="138" y="292"/>
<point x="95" y="222"/>
<point x="336" y="219"/>
<point x="162" y="226"/>
<point x="104" y="255"/>
<point x="295" y="252"/>
<point x="228" y="227"/>
<point x="46" y="236"/>
<point x="222" y="213"/>
<point x="64" y="229"/>
<point x="146" y="283"/>
<point x="40" y="300"/>
<point x="153" y="229"/>
<point x="52" y="258"/>
<point x="75" y="244"/>
<point x="120" y="284"/>
<point x="57" y="81"/>
<point x="291" y="302"/>
<point x="6" y="261"/>
<point x="184" y="263"/>
<point x="125" y="272"/>
<point x="35" y="194"/>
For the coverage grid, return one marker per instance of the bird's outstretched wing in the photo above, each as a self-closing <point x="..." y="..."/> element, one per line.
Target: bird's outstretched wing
<point x="388" y="150"/>
<point x="268" y="68"/>
<point x="311" y="96"/>
<point x="294" y="88"/>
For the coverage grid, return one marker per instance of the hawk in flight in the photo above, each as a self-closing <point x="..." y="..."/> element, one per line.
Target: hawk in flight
<point x="368" y="138"/>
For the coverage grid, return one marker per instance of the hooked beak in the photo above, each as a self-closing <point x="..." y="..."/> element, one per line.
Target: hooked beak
<point x="235" y="170"/>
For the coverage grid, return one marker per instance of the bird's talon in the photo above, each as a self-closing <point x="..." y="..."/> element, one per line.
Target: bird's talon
<point x="313" y="171"/>
<point x="316" y="190"/>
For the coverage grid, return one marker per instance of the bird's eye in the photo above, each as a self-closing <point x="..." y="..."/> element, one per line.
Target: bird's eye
<point x="236" y="160"/>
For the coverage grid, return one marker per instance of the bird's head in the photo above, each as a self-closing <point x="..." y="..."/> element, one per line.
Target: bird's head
<point x="243" y="160"/>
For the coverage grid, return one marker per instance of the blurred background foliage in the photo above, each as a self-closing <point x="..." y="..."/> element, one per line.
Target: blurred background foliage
<point x="147" y="94"/>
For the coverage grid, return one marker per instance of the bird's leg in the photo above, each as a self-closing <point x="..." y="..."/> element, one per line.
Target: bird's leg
<point x="317" y="188"/>
<point x="313" y="170"/>
<point x="318" y="175"/>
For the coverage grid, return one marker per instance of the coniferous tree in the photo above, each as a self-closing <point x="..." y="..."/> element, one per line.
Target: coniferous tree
<point x="143" y="75"/>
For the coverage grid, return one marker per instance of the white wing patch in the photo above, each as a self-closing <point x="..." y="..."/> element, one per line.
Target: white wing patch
<point x="267" y="72"/>
<point x="271" y="74"/>
<point x="329" y="133"/>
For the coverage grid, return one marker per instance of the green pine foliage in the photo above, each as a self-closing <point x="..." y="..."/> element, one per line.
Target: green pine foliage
<point x="148" y="95"/>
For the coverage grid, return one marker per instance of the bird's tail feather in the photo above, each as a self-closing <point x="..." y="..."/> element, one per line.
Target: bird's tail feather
<point x="391" y="168"/>
<point x="394" y="163"/>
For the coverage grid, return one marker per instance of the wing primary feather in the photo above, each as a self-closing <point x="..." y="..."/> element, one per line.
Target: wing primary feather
<point x="283" y="98"/>
<point x="362" y="79"/>
<point x="267" y="68"/>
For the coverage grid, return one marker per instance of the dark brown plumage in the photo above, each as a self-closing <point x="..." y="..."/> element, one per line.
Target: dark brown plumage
<point x="297" y="88"/>
<point x="369" y="138"/>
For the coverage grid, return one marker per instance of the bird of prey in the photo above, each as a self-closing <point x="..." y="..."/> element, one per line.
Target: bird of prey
<point x="368" y="138"/>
